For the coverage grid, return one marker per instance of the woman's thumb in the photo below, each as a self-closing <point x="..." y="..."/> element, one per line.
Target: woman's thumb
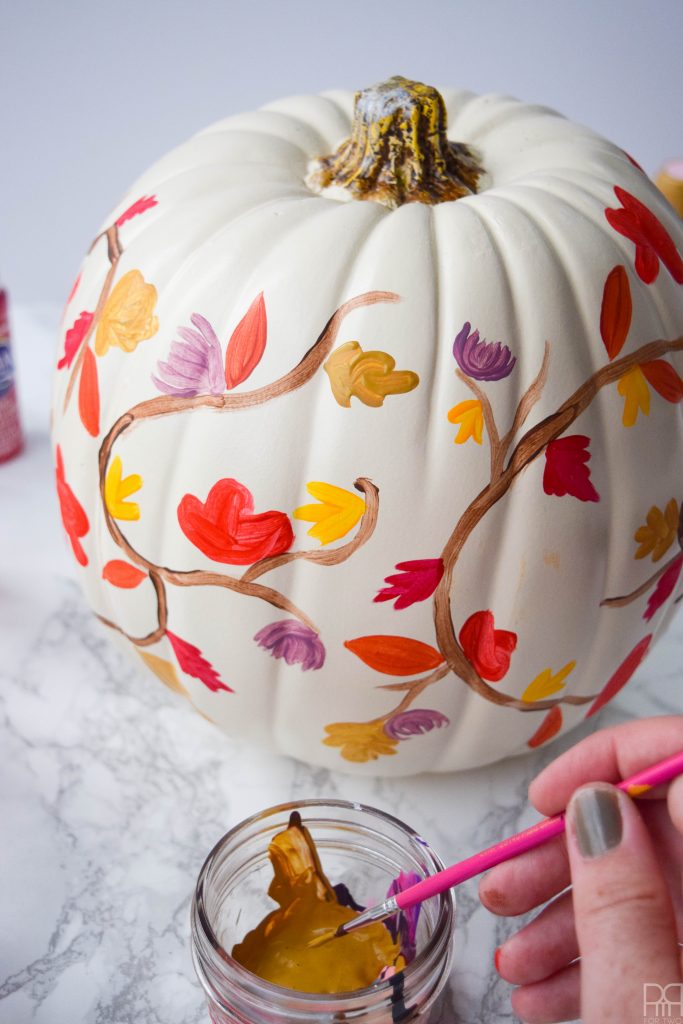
<point x="624" y="917"/>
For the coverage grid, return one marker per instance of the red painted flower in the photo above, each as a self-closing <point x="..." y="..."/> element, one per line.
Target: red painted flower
<point x="73" y="517"/>
<point x="622" y="675"/>
<point x="416" y="581"/>
<point x="488" y="649"/>
<point x="226" y="528"/>
<point x="652" y="241"/>
<point x="566" y="470"/>
<point x="664" y="589"/>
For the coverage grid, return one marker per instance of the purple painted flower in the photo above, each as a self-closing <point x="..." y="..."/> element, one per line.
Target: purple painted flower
<point x="415" y="722"/>
<point x="416" y="581"/>
<point x="404" y="925"/>
<point x="482" y="360"/>
<point x="195" y="364"/>
<point x="291" y="640"/>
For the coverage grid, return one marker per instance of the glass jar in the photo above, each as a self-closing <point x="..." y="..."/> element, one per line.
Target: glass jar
<point x="359" y="846"/>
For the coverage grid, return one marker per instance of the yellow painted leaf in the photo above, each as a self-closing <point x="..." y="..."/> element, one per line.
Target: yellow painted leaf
<point x="117" y="488"/>
<point x="338" y="511"/>
<point x="470" y="418"/>
<point x="636" y="394"/>
<point x="369" y="376"/>
<point x="128" y="314"/>
<point x="659" y="531"/>
<point x="546" y="684"/>
<point x="165" y="671"/>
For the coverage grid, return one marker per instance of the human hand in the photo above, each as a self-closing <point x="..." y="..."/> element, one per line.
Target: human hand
<point x="624" y="914"/>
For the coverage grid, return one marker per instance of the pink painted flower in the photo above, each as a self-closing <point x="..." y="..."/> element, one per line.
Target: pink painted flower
<point x="664" y="589"/>
<point x="416" y="581"/>
<point x="296" y="643"/>
<point x="414" y="722"/>
<point x="481" y="359"/>
<point x="195" y="365"/>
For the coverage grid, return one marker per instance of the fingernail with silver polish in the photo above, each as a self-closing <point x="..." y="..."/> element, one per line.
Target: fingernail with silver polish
<point x="597" y="820"/>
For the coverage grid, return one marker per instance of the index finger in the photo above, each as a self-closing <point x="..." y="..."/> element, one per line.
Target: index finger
<point x="607" y="756"/>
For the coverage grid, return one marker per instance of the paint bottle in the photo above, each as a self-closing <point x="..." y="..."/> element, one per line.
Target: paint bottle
<point x="11" y="439"/>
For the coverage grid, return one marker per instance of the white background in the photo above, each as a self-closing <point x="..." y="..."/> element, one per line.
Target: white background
<point x="91" y="93"/>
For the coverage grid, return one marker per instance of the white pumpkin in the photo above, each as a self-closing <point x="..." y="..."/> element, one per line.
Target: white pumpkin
<point x="261" y="381"/>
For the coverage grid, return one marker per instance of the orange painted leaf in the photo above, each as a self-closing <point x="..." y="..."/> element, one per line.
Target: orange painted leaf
<point x="549" y="727"/>
<point x="664" y="379"/>
<point x="247" y="344"/>
<point x="395" y="655"/>
<point x="89" y="394"/>
<point x="615" y="314"/>
<point x="123" y="574"/>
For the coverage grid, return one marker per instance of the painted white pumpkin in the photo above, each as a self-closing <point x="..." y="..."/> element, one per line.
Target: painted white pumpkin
<point x="261" y="380"/>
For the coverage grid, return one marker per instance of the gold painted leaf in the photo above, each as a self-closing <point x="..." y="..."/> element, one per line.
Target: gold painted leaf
<point x="360" y="741"/>
<point x="117" y="488"/>
<point x="546" y="684"/>
<point x="368" y="376"/>
<point x="658" y="533"/>
<point x="636" y="394"/>
<point x="165" y="671"/>
<point x="470" y="417"/>
<point x="338" y="511"/>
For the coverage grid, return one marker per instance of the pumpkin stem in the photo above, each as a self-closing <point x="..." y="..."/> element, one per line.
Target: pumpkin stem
<point x="398" y="151"/>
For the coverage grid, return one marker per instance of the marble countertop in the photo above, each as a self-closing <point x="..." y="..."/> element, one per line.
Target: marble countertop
<point x="113" y="790"/>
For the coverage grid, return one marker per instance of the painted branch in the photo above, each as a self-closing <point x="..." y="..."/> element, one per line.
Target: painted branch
<point x="489" y="422"/>
<point x="334" y="556"/>
<point x="162" y="616"/>
<point x="529" y="447"/>
<point x="114" y="251"/>
<point x="624" y="599"/>
<point x="528" y="401"/>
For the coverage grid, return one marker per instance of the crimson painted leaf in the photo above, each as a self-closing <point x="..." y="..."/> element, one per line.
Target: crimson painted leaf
<point x="139" y="206"/>
<point x="123" y="574"/>
<point x="73" y="515"/>
<point x="549" y="727"/>
<point x="395" y="655"/>
<point x="666" y="585"/>
<point x="226" y="528"/>
<point x="622" y="675"/>
<point x="566" y="470"/>
<point x="89" y="394"/>
<point x="487" y="649"/>
<point x="616" y="311"/>
<point x="664" y="379"/>
<point x="74" y="338"/>
<point x="247" y="344"/>
<point x="192" y="661"/>
<point x="416" y="581"/>
<point x="652" y="241"/>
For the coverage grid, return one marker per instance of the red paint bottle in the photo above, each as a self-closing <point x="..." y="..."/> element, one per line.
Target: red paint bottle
<point x="11" y="439"/>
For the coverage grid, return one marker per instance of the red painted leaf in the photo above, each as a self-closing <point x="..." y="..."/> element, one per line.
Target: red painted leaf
<point x="666" y="584"/>
<point x="73" y="516"/>
<point x="139" y="206"/>
<point x="192" y="661"/>
<point x="549" y="727"/>
<point x="395" y="655"/>
<point x="566" y="470"/>
<point x="622" y="675"/>
<point x="247" y="344"/>
<point x="226" y="529"/>
<point x="616" y="311"/>
<point x="123" y="574"/>
<point x="633" y="161"/>
<point x="416" y="581"/>
<point x="664" y="379"/>
<point x="74" y="339"/>
<point x="488" y="649"/>
<point x="89" y="394"/>
<point x="652" y="241"/>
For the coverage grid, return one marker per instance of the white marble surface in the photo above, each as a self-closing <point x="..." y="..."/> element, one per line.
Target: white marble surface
<point x="113" y="790"/>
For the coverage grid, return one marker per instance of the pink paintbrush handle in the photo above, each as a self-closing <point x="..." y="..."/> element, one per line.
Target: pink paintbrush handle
<point x="638" y="784"/>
